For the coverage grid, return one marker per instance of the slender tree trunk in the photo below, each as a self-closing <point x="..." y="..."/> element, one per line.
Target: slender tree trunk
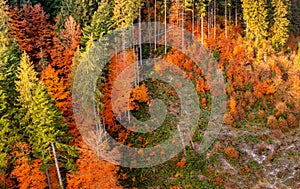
<point x="183" y="21"/>
<point x="225" y="18"/>
<point x="236" y="13"/>
<point x="229" y="11"/>
<point x="165" y="26"/>
<point x="149" y="20"/>
<point x="202" y="30"/>
<point x="103" y="119"/>
<point x="48" y="179"/>
<point x="155" y="25"/>
<point x="116" y="52"/>
<point x="140" y="38"/>
<point x="208" y="20"/>
<point x="96" y="115"/>
<point x="198" y="25"/>
<point x="133" y="49"/>
<point x="57" y="166"/>
<point x="123" y="43"/>
<point x="193" y="20"/>
<point x="215" y="19"/>
<point x="128" y="115"/>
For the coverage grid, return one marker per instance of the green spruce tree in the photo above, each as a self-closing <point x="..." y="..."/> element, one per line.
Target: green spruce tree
<point x="81" y="10"/>
<point x="41" y="120"/>
<point x="101" y="23"/>
<point x="125" y="12"/>
<point x="9" y="60"/>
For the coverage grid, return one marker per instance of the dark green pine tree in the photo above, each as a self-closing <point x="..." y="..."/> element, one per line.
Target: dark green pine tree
<point x="5" y="129"/>
<point x="8" y="121"/>
<point x="51" y="7"/>
<point x="81" y="10"/>
<point x="294" y="17"/>
<point x="101" y="23"/>
<point x="41" y="121"/>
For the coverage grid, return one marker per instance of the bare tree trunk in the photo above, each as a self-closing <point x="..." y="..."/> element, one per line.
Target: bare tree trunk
<point x="198" y="25"/>
<point x="96" y="115"/>
<point x="165" y="26"/>
<point x="215" y="19"/>
<point x="236" y="14"/>
<point x="193" y="20"/>
<point x="133" y="49"/>
<point x="140" y="37"/>
<point x="149" y="20"/>
<point x="155" y="25"/>
<point x="103" y="118"/>
<point x="182" y="27"/>
<point x="229" y="11"/>
<point x="48" y="179"/>
<point x="225" y="18"/>
<point x="208" y="19"/>
<point x="202" y="30"/>
<point x="57" y="166"/>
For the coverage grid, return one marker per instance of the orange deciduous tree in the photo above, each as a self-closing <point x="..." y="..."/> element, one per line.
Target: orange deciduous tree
<point x="65" y="46"/>
<point x="34" y="33"/>
<point x="92" y="172"/>
<point x="28" y="174"/>
<point x="56" y="87"/>
<point x="27" y="171"/>
<point x="118" y="64"/>
<point x="57" y="76"/>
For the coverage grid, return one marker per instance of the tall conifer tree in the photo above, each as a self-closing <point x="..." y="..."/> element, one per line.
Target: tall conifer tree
<point x="255" y="16"/>
<point x="280" y="31"/>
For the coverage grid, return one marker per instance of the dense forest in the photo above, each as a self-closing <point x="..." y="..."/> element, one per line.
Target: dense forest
<point x="255" y="43"/>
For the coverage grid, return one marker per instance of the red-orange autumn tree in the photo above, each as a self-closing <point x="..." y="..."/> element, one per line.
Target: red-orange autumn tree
<point x="92" y="172"/>
<point x="118" y="64"/>
<point x="34" y="33"/>
<point x="57" y="76"/>
<point x="56" y="87"/>
<point x="27" y="171"/>
<point x="65" y="46"/>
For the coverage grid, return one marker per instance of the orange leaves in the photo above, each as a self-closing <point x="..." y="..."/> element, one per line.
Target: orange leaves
<point x="5" y="181"/>
<point x="231" y="152"/>
<point x="33" y="32"/>
<point x="219" y="181"/>
<point x="59" y="91"/>
<point x="65" y="46"/>
<point x="265" y="88"/>
<point x="201" y="86"/>
<point x="118" y="64"/>
<point x="57" y="76"/>
<point x="28" y="174"/>
<point x="53" y="177"/>
<point x="244" y="170"/>
<point x="92" y="173"/>
<point x="232" y="106"/>
<point x="140" y="93"/>
<point x="181" y="163"/>
<point x="56" y="87"/>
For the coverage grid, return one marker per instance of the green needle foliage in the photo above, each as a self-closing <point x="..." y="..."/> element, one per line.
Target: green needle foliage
<point x="40" y="119"/>
<point x="101" y="23"/>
